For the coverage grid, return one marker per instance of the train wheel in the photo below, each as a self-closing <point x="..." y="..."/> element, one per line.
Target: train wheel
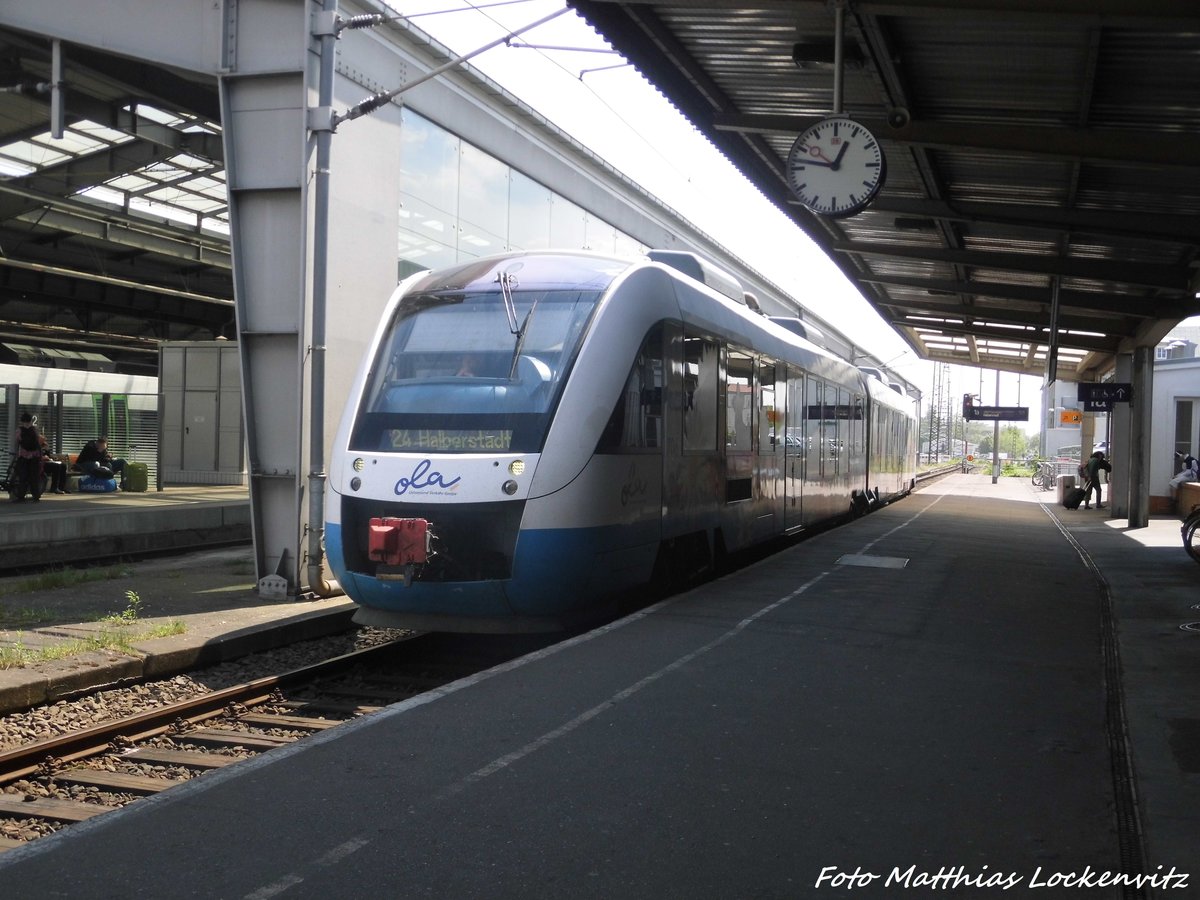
<point x="681" y="561"/>
<point x="720" y="556"/>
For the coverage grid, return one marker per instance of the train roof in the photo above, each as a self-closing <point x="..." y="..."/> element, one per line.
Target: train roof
<point x="542" y="269"/>
<point x="709" y="298"/>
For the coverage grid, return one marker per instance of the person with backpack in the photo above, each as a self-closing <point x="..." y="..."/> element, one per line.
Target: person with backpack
<point x="94" y="460"/>
<point x="1096" y="462"/>
<point x="28" y="460"/>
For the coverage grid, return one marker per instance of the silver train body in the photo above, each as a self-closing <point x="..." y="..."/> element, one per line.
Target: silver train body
<point x="533" y="434"/>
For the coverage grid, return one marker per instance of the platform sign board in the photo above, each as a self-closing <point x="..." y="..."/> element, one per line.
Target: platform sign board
<point x="997" y="414"/>
<point x="1109" y="392"/>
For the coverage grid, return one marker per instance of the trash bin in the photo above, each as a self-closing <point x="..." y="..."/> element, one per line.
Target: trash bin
<point x="1063" y="484"/>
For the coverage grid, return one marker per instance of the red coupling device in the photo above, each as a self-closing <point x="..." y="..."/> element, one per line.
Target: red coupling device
<point x="398" y="542"/>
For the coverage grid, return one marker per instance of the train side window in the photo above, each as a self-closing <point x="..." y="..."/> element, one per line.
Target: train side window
<point x="636" y="420"/>
<point x="700" y="368"/>
<point x="739" y="402"/>
<point x="740" y="425"/>
<point x="768" y="415"/>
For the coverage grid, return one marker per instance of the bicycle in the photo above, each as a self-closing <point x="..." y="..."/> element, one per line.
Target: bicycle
<point x="1044" y="476"/>
<point x="1188" y="532"/>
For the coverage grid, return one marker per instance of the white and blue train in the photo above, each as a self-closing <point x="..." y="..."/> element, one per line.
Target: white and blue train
<point x="533" y="434"/>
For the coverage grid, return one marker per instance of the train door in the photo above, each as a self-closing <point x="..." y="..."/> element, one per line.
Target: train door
<point x="693" y="464"/>
<point x="769" y="385"/>
<point x="819" y="465"/>
<point x="793" y="450"/>
<point x="739" y="426"/>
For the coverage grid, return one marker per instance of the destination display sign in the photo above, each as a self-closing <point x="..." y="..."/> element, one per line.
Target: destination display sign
<point x="446" y="440"/>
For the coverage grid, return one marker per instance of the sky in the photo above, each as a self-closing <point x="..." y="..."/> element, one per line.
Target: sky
<point x="569" y="75"/>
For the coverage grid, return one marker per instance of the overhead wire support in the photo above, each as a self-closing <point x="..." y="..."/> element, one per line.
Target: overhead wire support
<point x="583" y="72"/>
<point x="367" y="20"/>
<point x="372" y="103"/>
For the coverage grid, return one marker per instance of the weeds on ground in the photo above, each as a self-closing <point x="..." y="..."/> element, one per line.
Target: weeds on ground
<point x="24" y="616"/>
<point x="131" y="613"/>
<point x="60" y="578"/>
<point x="119" y="641"/>
<point x="1017" y="470"/>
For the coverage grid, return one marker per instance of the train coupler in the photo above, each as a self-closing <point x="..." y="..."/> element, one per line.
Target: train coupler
<point x="400" y="547"/>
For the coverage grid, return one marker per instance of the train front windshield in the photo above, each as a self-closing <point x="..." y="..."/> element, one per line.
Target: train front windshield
<point x="473" y="369"/>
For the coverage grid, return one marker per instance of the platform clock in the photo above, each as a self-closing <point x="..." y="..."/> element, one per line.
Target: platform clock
<point x="836" y="167"/>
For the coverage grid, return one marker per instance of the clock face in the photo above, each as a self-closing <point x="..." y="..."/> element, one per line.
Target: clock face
<point x="836" y="167"/>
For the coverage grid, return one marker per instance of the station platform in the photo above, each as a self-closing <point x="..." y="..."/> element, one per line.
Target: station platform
<point x="59" y="626"/>
<point x="63" y="528"/>
<point x="969" y="692"/>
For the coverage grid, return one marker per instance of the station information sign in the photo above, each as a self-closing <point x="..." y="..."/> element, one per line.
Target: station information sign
<point x="998" y="414"/>
<point x="1101" y="397"/>
<point x="973" y="413"/>
<point x="1108" y="392"/>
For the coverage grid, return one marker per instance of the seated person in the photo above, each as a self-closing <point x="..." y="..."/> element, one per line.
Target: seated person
<point x="55" y="469"/>
<point x="95" y="460"/>
<point x="1189" y="472"/>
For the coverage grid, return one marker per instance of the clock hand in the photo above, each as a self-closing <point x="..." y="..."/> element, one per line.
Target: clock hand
<point x="837" y="163"/>
<point x="817" y="157"/>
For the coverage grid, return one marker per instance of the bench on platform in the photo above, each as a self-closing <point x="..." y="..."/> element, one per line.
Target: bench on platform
<point x="1187" y="495"/>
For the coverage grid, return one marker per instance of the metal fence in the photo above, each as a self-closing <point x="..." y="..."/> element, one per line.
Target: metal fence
<point x="69" y="419"/>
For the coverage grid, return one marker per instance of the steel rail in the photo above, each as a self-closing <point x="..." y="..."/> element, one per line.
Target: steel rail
<point x="30" y="759"/>
<point x="934" y="473"/>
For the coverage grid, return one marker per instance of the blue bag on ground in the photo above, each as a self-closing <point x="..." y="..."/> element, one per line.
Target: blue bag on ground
<point x="97" y="485"/>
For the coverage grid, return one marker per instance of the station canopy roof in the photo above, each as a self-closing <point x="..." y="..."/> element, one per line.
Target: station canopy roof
<point x="1034" y="148"/>
<point x="114" y="236"/>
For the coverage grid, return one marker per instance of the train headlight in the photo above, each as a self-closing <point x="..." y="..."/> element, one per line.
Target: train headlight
<point x="517" y="466"/>
<point x="509" y="487"/>
<point x="359" y="464"/>
<point x="355" y="483"/>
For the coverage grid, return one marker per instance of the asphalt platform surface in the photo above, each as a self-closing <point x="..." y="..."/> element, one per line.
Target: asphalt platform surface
<point x="966" y="684"/>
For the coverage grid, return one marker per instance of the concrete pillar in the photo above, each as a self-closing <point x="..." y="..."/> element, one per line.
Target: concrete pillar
<point x="1140" y="413"/>
<point x="264" y="96"/>
<point x="1119" y="451"/>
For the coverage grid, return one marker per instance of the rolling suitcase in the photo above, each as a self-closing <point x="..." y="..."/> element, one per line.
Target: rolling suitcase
<point x="1073" y="497"/>
<point x="137" y="477"/>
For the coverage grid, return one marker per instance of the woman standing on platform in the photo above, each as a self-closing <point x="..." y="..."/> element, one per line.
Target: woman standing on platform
<point x="28" y="459"/>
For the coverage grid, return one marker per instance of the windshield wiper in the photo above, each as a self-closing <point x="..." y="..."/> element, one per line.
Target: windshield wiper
<point x="520" y="345"/>
<point x="506" y="281"/>
<point x="510" y="307"/>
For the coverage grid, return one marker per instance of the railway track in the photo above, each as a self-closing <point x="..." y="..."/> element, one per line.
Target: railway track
<point x="931" y="475"/>
<point x="51" y="784"/>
